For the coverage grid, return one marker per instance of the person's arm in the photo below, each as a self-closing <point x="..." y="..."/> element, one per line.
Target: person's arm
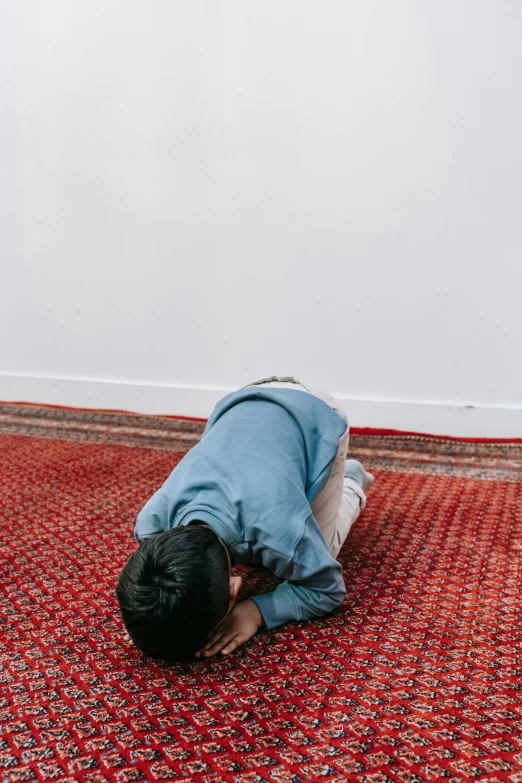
<point x="314" y="587"/>
<point x="314" y="584"/>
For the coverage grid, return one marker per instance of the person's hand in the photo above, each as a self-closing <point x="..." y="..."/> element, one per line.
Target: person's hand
<point x="126" y="638"/>
<point x="236" y="628"/>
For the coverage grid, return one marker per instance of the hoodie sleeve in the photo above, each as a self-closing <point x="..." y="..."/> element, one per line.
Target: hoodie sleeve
<point x="314" y="584"/>
<point x="153" y="517"/>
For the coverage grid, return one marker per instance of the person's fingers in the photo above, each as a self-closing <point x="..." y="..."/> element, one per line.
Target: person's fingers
<point x="212" y="641"/>
<point x="215" y="648"/>
<point x="232" y="645"/>
<point x="218" y="645"/>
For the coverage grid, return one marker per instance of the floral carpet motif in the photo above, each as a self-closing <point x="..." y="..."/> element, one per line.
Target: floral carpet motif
<point x="417" y="677"/>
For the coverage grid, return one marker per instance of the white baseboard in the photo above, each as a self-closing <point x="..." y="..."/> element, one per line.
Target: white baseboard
<point x="436" y="418"/>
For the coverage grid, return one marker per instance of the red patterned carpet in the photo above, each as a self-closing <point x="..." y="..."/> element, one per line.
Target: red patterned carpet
<point x="416" y="678"/>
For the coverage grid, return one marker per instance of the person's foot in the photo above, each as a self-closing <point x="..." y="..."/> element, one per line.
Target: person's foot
<point x="354" y="470"/>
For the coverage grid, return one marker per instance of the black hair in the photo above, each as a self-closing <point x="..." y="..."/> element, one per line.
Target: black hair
<point x="174" y="590"/>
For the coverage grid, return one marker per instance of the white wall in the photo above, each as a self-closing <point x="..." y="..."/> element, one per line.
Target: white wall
<point x="197" y="193"/>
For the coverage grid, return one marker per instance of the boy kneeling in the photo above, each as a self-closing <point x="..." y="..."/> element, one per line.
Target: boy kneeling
<point x="268" y="483"/>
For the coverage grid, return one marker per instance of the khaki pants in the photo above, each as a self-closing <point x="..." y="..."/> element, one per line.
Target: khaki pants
<point x="341" y="500"/>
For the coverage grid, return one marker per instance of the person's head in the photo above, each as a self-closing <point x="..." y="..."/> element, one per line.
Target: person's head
<point x="175" y="589"/>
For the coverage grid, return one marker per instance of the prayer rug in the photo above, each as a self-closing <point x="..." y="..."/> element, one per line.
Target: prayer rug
<point x="417" y="677"/>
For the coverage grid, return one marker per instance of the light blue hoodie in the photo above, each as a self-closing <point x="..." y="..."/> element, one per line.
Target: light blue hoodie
<point x="263" y="458"/>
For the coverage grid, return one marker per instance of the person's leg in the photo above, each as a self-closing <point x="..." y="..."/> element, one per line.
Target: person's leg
<point x="343" y="497"/>
<point x="280" y="382"/>
<point x="289" y="382"/>
<point x="356" y="482"/>
<point x="329" y="399"/>
<point x="326" y="505"/>
<point x="341" y="500"/>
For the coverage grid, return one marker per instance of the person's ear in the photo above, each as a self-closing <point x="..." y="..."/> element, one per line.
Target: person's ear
<point x="235" y="584"/>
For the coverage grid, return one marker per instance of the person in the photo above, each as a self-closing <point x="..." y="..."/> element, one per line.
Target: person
<point x="268" y="483"/>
